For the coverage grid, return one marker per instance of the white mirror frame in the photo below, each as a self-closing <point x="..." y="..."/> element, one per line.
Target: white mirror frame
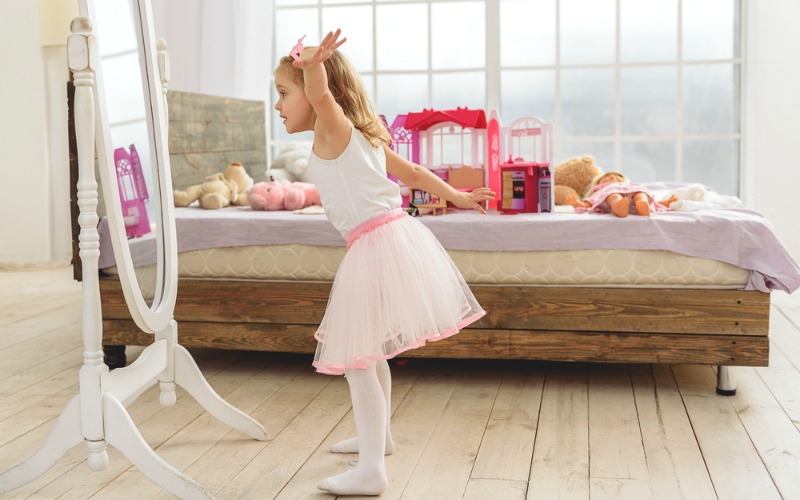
<point x="153" y="318"/>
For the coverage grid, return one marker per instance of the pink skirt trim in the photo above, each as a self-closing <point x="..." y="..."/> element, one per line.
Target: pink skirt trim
<point x="362" y="362"/>
<point x="374" y="223"/>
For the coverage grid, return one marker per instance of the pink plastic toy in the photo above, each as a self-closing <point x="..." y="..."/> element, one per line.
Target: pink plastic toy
<point x="530" y="138"/>
<point x="448" y="139"/>
<point x="297" y="49"/>
<point x="132" y="192"/>
<point x="493" y="156"/>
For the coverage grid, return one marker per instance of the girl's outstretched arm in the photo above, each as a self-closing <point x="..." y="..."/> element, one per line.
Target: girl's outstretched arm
<point x="331" y="129"/>
<point x="419" y="177"/>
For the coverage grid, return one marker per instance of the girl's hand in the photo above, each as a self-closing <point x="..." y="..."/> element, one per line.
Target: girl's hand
<point x="474" y="200"/>
<point x="318" y="55"/>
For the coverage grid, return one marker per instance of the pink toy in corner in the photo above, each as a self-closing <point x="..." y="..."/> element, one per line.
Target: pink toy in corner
<point x="132" y="192"/>
<point x="281" y="195"/>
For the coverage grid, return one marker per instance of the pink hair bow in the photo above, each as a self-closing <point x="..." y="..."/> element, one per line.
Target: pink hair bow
<point x="297" y="49"/>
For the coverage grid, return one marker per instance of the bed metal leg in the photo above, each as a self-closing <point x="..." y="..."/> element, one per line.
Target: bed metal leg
<point x="726" y="381"/>
<point x="114" y="356"/>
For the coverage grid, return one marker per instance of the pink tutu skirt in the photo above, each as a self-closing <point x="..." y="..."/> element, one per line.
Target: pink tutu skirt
<point x="395" y="289"/>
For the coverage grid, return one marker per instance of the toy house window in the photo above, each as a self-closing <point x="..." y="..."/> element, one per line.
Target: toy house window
<point x="447" y="147"/>
<point x="402" y="144"/>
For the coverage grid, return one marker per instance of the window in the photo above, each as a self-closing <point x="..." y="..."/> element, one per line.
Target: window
<point x="652" y="88"/>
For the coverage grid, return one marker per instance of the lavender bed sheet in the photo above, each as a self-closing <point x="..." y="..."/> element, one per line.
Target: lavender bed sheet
<point x="740" y="237"/>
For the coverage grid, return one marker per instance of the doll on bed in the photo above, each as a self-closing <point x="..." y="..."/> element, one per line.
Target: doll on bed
<point x="612" y="192"/>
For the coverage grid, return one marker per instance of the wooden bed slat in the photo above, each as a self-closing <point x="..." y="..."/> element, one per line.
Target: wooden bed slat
<point x="480" y="343"/>
<point x="728" y="312"/>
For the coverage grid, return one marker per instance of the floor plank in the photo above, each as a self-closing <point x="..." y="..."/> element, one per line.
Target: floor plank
<point x="560" y="465"/>
<point x="507" y="447"/>
<point x="772" y="434"/>
<point x="674" y="462"/>
<point x="731" y="459"/>
<point x="444" y="468"/>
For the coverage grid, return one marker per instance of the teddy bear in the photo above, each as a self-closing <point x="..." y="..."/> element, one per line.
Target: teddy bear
<point x="279" y="194"/>
<point x="291" y="162"/>
<point x="573" y="179"/>
<point x="219" y="190"/>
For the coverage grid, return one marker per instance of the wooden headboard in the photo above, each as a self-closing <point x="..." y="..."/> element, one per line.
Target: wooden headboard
<point x="206" y="133"/>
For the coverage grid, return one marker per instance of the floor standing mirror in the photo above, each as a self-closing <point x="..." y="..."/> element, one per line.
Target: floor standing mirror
<point x="110" y="116"/>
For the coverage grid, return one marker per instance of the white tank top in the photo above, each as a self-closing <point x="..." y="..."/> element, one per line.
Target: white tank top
<point x="354" y="186"/>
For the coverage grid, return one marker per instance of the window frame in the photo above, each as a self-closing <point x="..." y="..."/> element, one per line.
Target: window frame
<point x="743" y="9"/>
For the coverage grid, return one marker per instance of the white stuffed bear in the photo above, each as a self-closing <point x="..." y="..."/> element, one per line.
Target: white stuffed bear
<point x="291" y="163"/>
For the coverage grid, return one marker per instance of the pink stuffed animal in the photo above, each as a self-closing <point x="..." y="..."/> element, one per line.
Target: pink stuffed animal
<point x="278" y="195"/>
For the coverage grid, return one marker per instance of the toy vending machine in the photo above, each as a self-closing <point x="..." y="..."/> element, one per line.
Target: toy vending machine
<point x="519" y="191"/>
<point x="531" y="138"/>
<point x="545" y="189"/>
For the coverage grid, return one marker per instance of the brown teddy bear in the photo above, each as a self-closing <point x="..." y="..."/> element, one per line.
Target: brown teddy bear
<point x="218" y="190"/>
<point x="573" y="178"/>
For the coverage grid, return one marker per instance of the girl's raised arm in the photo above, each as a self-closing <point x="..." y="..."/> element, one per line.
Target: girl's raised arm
<point x="331" y="129"/>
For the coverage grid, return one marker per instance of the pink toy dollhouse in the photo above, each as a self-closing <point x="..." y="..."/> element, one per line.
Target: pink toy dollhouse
<point x="465" y="149"/>
<point x="450" y="143"/>
<point x="132" y="192"/>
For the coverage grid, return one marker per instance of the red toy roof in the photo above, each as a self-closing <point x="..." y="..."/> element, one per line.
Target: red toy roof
<point x="423" y="120"/>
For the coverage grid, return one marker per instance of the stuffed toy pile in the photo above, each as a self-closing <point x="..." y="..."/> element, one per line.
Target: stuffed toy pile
<point x="573" y="178"/>
<point x="285" y="188"/>
<point x="291" y="163"/>
<point x="219" y="190"/>
<point x="697" y="197"/>
<point x="282" y="195"/>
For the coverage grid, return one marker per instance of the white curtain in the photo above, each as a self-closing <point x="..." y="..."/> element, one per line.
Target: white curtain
<point x="218" y="47"/>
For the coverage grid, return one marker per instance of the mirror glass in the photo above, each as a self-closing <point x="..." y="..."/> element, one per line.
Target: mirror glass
<point x="127" y="125"/>
<point x="129" y="140"/>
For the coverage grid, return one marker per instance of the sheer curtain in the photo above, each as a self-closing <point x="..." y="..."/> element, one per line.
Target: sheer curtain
<point x="218" y="47"/>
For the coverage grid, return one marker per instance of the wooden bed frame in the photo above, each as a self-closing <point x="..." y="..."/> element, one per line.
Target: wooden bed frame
<point x="626" y="325"/>
<point x="719" y="327"/>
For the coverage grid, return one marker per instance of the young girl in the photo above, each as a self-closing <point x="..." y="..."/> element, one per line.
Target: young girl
<point x="396" y="287"/>
<point x="613" y="192"/>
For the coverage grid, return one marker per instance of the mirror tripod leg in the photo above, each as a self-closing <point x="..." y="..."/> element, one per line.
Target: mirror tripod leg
<point x="64" y="436"/>
<point x="166" y="380"/>
<point x="121" y="433"/>
<point x="189" y="376"/>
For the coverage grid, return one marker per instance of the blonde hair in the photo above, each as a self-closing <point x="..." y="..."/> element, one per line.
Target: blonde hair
<point x="346" y="88"/>
<point x="599" y="177"/>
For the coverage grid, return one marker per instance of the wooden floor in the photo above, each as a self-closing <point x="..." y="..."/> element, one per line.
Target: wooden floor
<point x="464" y="429"/>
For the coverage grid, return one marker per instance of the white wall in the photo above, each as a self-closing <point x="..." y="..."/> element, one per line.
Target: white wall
<point x="25" y="205"/>
<point x="33" y="142"/>
<point x="775" y="78"/>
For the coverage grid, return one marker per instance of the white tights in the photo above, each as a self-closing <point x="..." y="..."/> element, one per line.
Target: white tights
<point x="368" y="477"/>
<point x="385" y="379"/>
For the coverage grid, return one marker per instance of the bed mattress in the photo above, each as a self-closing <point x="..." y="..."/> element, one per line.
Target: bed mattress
<point x="574" y="268"/>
